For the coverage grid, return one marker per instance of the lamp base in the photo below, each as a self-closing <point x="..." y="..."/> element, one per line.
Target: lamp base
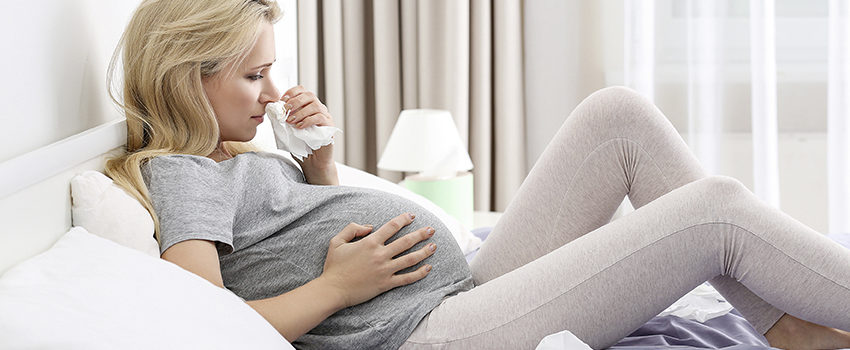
<point x="453" y="194"/>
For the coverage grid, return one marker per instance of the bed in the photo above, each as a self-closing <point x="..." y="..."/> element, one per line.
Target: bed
<point x="92" y="280"/>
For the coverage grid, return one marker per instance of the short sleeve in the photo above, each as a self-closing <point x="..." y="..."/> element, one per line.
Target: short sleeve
<point x="192" y="201"/>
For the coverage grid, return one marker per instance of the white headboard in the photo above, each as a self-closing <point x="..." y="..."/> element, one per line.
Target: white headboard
<point x="35" y="192"/>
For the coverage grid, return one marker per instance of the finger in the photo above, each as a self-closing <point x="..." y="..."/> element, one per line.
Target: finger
<point x="365" y="230"/>
<point x="410" y="277"/>
<point x="413" y="258"/>
<point x="349" y="232"/>
<point x="409" y="240"/>
<point x="316" y="119"/>
<point x="300" y="101"/>
<point x="295" y="90"/>
<point x="303" y="112"/>
<point x="391" y="227"/>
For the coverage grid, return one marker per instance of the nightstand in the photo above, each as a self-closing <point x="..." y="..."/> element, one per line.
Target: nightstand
<point x="485" y="218"/>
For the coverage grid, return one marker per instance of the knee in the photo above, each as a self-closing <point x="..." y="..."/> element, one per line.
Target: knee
<point x="615" y="91"/>
<point x="712" y="198"/>
<point x="619" y="106"/>
<point x="724" y="186"/>
<point x="615" y="95"/>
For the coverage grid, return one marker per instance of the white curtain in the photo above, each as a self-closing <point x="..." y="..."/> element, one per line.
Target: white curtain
<point x="639" y="48"/>
<point x="838" y="122"/>
<point x="706" y="69"/>
<point x="704" y="63"/>
<point x="763" y="87"/>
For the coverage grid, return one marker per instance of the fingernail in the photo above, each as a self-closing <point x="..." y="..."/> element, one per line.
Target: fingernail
<point x="287" y="106"/>
<point x="411" y="216"/>
<point x="430" y="231"/>
<point x="369" y="226"/>
<point x="285" y="97"/>
<point x="432" y="247"/>
<point x="427" y="268"/>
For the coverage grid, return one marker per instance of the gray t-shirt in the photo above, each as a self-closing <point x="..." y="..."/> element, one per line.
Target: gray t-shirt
<point x="271" y="229"/>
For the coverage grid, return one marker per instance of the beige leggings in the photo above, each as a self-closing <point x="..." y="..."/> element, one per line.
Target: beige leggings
<point x="554" y="262"/>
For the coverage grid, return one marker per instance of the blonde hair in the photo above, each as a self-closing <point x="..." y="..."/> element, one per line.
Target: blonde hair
<point x="166" y="50"/>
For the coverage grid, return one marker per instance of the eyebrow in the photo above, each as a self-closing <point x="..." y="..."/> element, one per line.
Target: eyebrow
<point x="264" y="65"/>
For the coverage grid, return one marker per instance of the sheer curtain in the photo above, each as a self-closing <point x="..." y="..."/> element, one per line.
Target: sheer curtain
<point x="839" y="116"/>
<point x="722" y="41"/>
<point x="763" y="86"/>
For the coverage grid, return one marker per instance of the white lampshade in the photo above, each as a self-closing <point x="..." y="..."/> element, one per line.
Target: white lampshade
<point x="427" y="141"/>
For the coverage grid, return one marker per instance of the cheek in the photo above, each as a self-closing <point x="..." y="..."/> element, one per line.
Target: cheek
<point x="250" y="96"/>
<point x="221" y="98"/>
<point x="238" y="101"/>
<point x="245" y="95"/>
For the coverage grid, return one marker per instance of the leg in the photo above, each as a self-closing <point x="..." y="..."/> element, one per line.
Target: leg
<point x="608" y="282"/>
<point x="615" y="143"/>
<point x="793" y="333"/>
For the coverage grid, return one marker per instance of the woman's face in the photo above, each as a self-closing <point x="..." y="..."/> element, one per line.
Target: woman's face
<point x="239" y="99"/>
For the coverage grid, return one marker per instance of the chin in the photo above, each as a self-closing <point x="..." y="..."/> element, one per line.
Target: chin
<point x="248" y="136"/>
<point x="240" y="139"/>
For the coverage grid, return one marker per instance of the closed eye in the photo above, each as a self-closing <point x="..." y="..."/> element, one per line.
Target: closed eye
<point x="255" y="77"/>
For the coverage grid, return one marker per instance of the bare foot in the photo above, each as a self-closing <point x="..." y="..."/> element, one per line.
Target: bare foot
<point x="793" y="333"/>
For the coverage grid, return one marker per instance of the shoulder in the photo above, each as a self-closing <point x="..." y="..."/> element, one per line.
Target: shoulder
<point x="187" y="166"/>
<point x="179" y="169"/>
<point x="179" y="161"/>
<point x="189" y="162"/>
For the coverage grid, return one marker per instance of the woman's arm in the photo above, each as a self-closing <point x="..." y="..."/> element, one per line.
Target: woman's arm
<point x="292" y="314"/>
<point x="296" y="312"/>
<point x="306" y="110"/>
<point x="354" y="272"/>
<point x="321" y="171"/>
<point x="196" y="256"/>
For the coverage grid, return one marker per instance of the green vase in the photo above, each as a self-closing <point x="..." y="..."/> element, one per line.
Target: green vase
<point x="453" y="194"/>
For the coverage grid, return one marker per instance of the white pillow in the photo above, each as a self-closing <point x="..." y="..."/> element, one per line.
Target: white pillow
<point x="87" y="292"/>
<point x="105" y="209"/>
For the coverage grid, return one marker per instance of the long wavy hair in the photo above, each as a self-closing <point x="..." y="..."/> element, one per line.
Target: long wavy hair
<point x="165" y="51"/>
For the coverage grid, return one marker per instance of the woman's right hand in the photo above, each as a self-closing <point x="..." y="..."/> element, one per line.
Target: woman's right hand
<point x="361" y="270"/>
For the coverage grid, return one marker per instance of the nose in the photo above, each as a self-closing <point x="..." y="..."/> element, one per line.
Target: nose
<point x="270" y="92"/>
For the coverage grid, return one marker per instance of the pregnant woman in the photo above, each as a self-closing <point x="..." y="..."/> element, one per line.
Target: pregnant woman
<point x="336" y="267"/>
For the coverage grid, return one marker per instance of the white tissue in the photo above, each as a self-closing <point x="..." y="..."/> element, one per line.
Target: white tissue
<point x="299" y="142"/>
<point x="701" y="304"/>
<point x="563" y="340"/>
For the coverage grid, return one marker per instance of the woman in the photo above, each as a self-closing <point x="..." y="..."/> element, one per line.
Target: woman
<point x="304" y="253"/>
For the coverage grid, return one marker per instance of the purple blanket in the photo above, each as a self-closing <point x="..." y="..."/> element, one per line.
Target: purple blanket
<point x="730" y="331"/>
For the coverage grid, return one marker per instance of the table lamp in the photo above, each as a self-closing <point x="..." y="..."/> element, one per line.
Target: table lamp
<point x="426" y="141"/>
